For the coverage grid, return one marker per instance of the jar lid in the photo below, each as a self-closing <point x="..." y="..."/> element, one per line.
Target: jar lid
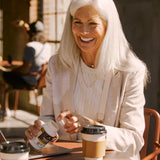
<point x="94" y="129"/>
<point x="14" y="147"/>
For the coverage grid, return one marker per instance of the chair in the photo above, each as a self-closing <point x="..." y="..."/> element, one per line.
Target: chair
<point x="149" y="113"/>
<point x="41" y="84"/>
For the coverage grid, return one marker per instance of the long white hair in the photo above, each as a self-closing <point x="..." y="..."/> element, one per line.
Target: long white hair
<point x="115" y="52"/>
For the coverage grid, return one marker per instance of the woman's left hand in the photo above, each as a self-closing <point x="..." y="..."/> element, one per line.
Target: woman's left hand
<point x="74" y="122"/>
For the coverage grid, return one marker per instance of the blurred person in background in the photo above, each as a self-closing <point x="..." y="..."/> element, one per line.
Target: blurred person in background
<point x="37" y="52"/>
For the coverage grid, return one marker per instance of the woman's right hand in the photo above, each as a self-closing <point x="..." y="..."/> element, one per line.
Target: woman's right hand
<point x="33" y="129"/>
<point x="74" y="121"/>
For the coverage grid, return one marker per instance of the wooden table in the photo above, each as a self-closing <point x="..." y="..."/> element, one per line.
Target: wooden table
<point x="14" y="63"/>
<point x="76" y="153"/>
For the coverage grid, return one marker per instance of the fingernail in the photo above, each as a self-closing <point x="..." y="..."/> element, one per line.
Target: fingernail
<point x="30" y="137"/>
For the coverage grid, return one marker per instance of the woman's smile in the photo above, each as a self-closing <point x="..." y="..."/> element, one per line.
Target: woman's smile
<point x="86" y="39"/>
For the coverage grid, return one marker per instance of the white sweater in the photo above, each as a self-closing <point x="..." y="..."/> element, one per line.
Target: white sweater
<point x="91" y="84"/>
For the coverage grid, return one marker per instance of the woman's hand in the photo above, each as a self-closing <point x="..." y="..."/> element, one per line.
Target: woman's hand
<point x="74" y="122"/>
<point x="71" y="123"/>
<point x="33" y="129"/>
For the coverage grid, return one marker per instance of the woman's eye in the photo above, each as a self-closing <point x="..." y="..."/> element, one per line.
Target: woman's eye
<point x="77" y="22"/>
<point x="93" y="23"/>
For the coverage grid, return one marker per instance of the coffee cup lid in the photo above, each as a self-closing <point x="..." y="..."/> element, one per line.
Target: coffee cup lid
<point x="94" y="129"/>
<point x="14" y="147"/>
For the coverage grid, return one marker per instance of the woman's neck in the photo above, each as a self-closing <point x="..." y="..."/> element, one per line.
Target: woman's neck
<point x="91" y="60"/>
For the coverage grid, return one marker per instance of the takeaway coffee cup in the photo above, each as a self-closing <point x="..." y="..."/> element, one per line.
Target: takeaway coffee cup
<point x="93" y="142"/>
<point x="14" y="151"/>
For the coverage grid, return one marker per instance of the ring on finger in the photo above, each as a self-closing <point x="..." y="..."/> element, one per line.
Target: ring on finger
<point x="79" y="125"/>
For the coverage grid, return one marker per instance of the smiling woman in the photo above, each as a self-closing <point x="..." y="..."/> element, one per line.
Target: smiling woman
<point x="95" y="78"/>
<point x="88" y="29"/>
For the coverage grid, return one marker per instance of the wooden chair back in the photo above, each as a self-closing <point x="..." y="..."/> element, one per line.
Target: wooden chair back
<point x="41" y="81"/>
<point x="41" y="84"/>
<point x="149" y="113"/>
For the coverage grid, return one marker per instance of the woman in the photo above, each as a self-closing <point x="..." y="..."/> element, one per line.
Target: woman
<point x="96" y="79"/>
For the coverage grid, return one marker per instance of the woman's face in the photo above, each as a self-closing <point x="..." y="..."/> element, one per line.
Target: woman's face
<point x="88" y="29"/>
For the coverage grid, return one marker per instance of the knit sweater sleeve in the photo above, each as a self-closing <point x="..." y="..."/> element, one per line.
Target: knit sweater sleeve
<point x="47" y="109"/>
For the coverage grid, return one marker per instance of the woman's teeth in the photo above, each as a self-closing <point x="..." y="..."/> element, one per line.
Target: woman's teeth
<point x="86" y="39"/>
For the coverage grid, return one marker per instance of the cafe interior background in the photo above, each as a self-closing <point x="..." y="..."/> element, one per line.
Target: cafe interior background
<point x="140" y="20"/>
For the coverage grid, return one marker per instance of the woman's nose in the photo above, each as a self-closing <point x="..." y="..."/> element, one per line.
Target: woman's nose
<point x="85" y="29"/>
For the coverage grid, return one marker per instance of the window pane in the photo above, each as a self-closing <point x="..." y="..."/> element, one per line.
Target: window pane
<point x="49" y="24"/>
<point x="62" y="5"/>
<point x="54" y="13"/>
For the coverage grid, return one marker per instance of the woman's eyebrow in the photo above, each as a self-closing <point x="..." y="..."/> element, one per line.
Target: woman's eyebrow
<point x="76" y="19"/>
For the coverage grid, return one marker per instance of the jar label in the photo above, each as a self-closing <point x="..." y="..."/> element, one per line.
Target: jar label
<point x="44" y="137"/>
<point x="41" y="140"/>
